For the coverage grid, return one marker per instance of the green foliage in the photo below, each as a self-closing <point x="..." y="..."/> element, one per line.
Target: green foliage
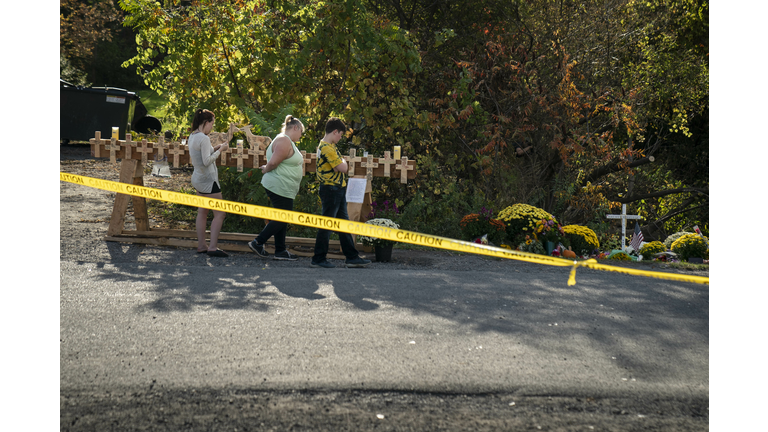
<point x="590" y="88"/>
<point x="532" y="246"/>
<point x="652" y="248"/>
<point x="244" y="58"/>
<point x="609" y="241"/>
<point x="691" y="245"/>
<point x="384" y="210"/>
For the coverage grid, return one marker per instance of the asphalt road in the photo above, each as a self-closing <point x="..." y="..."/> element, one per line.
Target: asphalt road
<point x="634" y="348"/>
<point x="156" y="338"/>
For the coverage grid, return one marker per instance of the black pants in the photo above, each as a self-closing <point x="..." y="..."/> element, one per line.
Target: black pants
<point x="276" y="228"/>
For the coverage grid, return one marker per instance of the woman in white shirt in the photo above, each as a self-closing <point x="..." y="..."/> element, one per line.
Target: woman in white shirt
<point x="205" y="179"/>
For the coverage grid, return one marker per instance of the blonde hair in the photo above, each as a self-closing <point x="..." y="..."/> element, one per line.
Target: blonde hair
<point x="292" y="122"/>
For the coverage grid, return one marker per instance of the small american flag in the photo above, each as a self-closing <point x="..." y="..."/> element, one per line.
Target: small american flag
<point x="637" y="239"/>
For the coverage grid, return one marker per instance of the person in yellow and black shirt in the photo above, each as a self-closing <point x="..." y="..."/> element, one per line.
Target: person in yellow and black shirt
<point x="332" y="175"/>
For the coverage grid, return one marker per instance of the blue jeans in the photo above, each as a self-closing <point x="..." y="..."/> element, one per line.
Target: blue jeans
<point x="334" y="199"/>
<point x="276" y="228"/>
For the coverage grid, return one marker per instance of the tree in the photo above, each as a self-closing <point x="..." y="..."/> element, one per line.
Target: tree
<point x="93" y="43"/>
<point x="245" y="58"/>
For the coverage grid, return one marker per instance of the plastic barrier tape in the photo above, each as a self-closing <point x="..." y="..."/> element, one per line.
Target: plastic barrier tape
<point x="360" y="228"/>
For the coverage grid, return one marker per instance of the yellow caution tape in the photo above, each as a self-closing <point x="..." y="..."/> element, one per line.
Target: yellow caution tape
<point x="361" y="228"/>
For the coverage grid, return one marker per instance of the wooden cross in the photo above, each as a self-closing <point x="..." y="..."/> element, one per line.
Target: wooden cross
<point x="128" y="145"/>
<point x="404" y="167"/>
<point x="224" y="151"/>
<point x="143" y="150"/>
<point x="239" y="155"/>
<point x="112" y="147"/>
<point x="160" y="146"/>
<point x="351" y="160"/>
<point x="387" y="161"/>
<point x="97" y="139"/>
<point x="256" y="152"/>
<point x="369" y="165"/>
<point x="176" y="151"/>
<point x="306" y="161"/>
<point x="623" y="216"/>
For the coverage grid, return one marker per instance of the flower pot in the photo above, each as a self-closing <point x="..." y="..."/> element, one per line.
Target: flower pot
<point x="549" y="246"/>
<point x="383" y="253"/>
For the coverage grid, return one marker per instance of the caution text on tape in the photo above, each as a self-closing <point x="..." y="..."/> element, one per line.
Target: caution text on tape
<point x="360" y="228"/>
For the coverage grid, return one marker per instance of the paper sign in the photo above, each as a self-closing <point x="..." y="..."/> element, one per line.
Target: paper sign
<point x="356" y="190"/>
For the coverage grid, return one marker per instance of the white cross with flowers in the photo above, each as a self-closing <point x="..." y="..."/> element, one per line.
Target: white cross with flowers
<point x="623" y="216"/>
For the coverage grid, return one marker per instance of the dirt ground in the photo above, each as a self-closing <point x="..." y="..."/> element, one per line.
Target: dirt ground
<point x="153" y="409"/>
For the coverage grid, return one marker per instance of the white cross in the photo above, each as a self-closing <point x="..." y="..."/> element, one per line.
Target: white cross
<point x="623" y="216"/>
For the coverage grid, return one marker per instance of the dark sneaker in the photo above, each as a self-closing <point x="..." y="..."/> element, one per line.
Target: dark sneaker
<point x="218" y="253"/>
<point x="357" y="262"/>
<point x="323" y="264"/>
<point x="285" y="255"/>
<point x="259" y="249"/>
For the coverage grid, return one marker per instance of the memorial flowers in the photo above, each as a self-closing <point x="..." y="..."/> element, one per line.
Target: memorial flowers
<point x="521" y="220"/>
<point x="583" y="239"/>
<point x="531" y="245"/>
<point x="477" y="225"/>
<point x="375" y="241"/>
<point x="548" y="230"/>
<point x="652" y="248"/>
<point x="690" y="246"/>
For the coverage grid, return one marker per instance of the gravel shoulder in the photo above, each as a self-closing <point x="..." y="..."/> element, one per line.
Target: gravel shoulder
<point x="84" y="218"/>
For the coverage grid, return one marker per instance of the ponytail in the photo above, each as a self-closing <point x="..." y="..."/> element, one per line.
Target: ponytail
<point x="292" y="122"/>
<point x="201" y="116"/>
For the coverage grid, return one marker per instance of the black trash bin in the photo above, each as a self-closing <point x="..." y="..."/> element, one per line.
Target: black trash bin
<point x="85" y="110"/>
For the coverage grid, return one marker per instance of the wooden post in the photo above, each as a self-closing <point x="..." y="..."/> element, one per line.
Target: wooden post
<point x="223" y="154"/>
<point x="131" y="172"/>
<point x="144" y="151"/>
<point x="97" y="140"/>
<point x="404" y="168"/>
<point x="369" y="165"/>
<point x="305" y="161"/>
<point x="160" y="146"/>
<point x="176" y="151"/>
<point x="256" y="153"/>
<point x="128" y="145"/>
<point x="387" y="161"/>
<point x="351" y="161"/>
<point x="112" y="147"/>
<point x="359" y="211"/>
<point x="239" y="156"/>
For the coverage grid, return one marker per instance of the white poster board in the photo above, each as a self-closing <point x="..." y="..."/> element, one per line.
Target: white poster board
<point x="356" y="190"/>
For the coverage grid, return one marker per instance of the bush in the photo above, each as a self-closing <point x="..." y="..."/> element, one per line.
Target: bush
<point x="620" y="256"/>
<point x="691" y="245"/>
<point x="532" y="246"/>
<point x="583" y="240"/>
<point x="652" y="248"/>
<point x="610" y="241"/>
<point x="671" y="239"/>
<point x="521" y="220"/>
<point x="476" y="225"/>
